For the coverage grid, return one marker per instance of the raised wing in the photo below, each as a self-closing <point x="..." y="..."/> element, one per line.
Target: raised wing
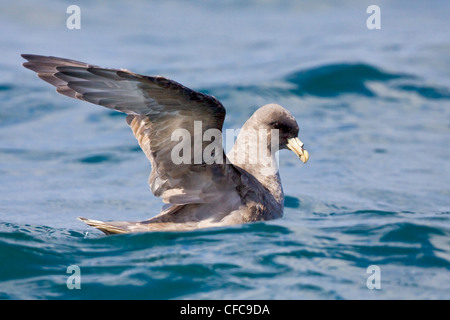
<point x="156" y="106"/>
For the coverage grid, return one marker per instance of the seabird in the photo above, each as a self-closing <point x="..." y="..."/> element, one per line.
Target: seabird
<point x="196" y="194"/>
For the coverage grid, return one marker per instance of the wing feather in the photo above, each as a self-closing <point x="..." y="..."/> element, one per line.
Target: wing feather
<point x="156" y="106"/>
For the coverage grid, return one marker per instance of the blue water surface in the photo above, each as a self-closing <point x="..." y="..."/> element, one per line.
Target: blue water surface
<point x="374" y="113"/>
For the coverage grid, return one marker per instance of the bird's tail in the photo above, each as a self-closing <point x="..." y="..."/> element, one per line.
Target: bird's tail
<point x="107" y="227"/>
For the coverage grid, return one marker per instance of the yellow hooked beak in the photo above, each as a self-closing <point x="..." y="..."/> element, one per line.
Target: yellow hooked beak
<point x="296" y="145"/>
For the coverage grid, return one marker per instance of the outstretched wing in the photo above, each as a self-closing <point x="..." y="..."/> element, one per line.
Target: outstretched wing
<point x="156" y="107"/>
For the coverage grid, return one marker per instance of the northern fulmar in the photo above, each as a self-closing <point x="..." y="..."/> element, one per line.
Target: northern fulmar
<point x="197" y="192"/>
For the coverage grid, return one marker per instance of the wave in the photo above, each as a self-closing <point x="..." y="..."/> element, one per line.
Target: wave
<point x="6" y="86"/>
<point x="337" y="79"/>
<point x="425" y="91"/>
<point x="333" y="80"/>
<point x="245" y="260"/>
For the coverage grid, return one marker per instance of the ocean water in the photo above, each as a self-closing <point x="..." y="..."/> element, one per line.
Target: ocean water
<point x="374" y="113"/>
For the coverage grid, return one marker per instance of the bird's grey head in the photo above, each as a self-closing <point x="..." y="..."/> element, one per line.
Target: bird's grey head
<point x="275" y="117"/>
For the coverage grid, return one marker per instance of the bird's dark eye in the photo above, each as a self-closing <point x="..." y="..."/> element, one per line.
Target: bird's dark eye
<point x="276" y="125"/>
<point x="280" y="126"/>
